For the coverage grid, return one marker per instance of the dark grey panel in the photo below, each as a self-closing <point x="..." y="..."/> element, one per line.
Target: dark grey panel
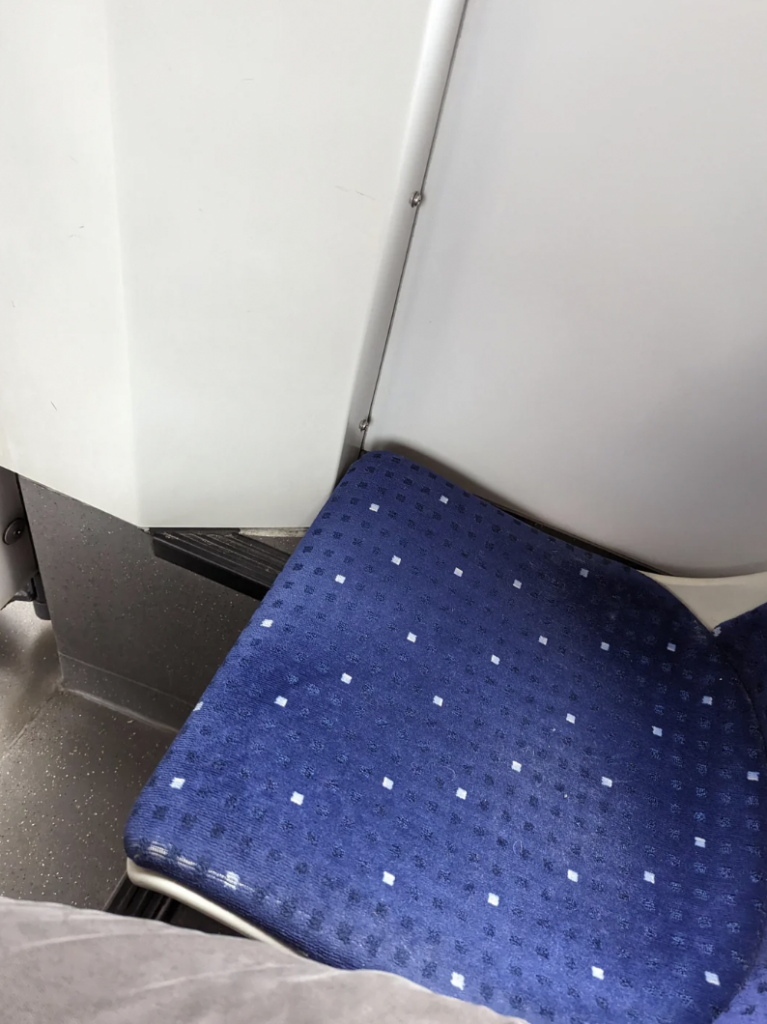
<point x="125" y="695"/>
<point x="66" y="788"/>
<point x="29" y="668"/>
<point x="17" y="559"/>
<point x="115" y="606"/>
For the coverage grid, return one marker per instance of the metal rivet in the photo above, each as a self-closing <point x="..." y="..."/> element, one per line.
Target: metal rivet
<point x="416" y="199"/>
<point x="14" y="531"/>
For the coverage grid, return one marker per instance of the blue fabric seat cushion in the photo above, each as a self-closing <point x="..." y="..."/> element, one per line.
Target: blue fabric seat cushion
<point x="743" y="641"/>
<point x="451" y="746"/>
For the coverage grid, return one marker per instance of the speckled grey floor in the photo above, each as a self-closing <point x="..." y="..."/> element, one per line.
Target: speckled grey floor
<point x="66" y="787"/>
<point x="70" y="770"/>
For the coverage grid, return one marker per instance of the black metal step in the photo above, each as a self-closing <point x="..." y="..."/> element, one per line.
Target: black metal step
<point x="128" y="900"/>
<point x="241" y="563"/>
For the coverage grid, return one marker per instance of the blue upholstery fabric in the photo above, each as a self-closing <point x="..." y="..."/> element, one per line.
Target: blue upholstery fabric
<point x="744" y="643"/>
<point x="451" y="746"/>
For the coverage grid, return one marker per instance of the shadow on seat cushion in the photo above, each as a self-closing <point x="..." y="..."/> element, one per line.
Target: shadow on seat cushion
<point x="453" y="747"/>
<point x="744" y="643"/>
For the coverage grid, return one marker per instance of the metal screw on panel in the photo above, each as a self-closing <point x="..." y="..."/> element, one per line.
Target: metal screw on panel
<point x="416" y="199"/>
<point x="14" y="531"/>
<point x="364" y="424"/>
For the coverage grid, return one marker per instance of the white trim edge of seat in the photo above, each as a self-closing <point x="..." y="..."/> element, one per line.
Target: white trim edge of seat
<point x="714" y="600"/>
<point x="144" y="878"/>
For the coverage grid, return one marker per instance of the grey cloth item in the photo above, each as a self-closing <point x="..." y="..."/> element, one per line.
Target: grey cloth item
<point x="62" y="965"/>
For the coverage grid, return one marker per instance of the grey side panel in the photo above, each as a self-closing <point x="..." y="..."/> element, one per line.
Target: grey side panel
<point x="17" y="560"/>
<point x="29" y="669"/>
<point x="116" y="607"/>
<point x="140" y="702"/>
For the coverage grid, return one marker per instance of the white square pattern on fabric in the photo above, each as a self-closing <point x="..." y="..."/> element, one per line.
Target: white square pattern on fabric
<point x="461" y="681"/>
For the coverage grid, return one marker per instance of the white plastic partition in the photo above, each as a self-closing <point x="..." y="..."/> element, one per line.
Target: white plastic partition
<point x="65" y="398"/>
<point x="582" y="327"/>
<point x="205" y="213"/>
